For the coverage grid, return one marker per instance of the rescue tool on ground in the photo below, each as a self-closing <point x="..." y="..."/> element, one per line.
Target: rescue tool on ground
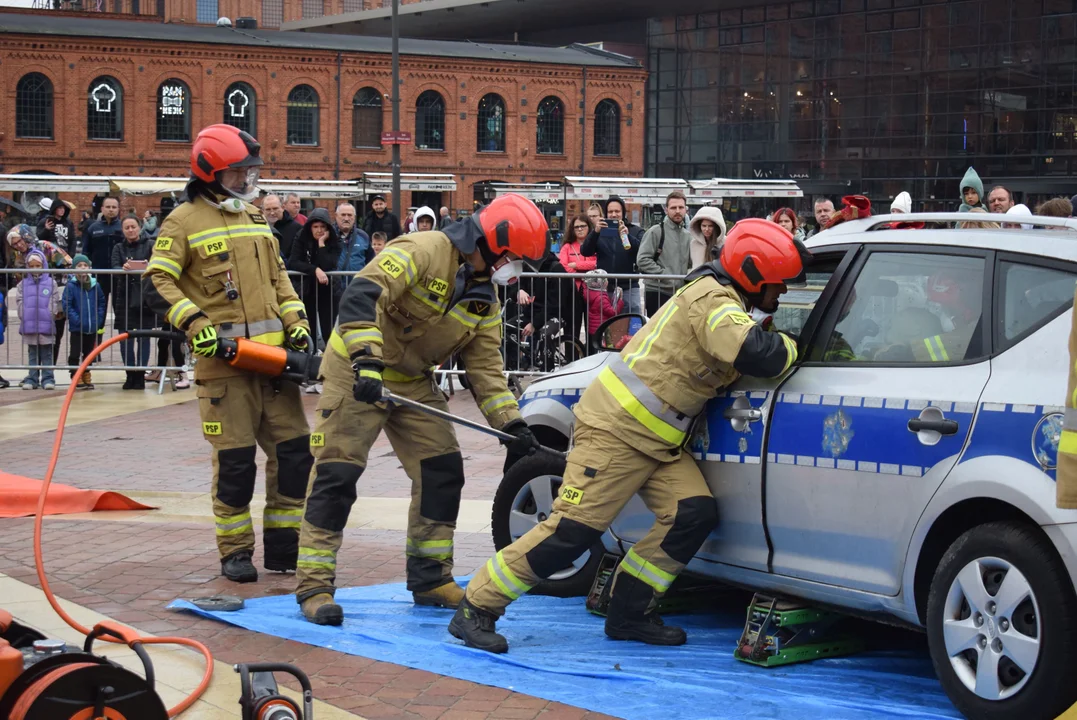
<point x="261" y="699"/>
<point x="630" y="427"/>
<point x="427" y="295"/>
<point x="216" y="274"/>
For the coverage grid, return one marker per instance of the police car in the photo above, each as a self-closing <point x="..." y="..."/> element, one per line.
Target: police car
<point x="904" y="468"/>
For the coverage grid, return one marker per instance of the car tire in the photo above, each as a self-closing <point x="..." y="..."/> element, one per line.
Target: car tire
<point x="1046" y="614"/>
<point x="512" y="494"/>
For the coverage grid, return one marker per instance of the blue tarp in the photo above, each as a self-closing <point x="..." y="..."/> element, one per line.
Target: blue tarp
<point x="559" y="652"/>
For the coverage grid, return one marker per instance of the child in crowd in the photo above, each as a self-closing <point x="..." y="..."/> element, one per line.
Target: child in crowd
<point x="377" y="242"/>
<point x="600" y="307"/>
<point x="84" y="305"/>
<point x="38" y="305"/>
<point x="972" y="191"/>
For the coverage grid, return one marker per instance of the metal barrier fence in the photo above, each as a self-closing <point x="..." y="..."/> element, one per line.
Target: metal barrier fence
<point x="549" y="319"/>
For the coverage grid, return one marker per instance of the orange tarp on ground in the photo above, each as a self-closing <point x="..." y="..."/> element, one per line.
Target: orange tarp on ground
<point x="18" y="498"/>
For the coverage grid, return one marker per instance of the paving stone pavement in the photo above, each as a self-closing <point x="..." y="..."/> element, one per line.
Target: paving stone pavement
<point x="131" y="570"/>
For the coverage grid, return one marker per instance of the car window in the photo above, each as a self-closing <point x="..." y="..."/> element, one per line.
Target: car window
<point x="1030" y="295"/>
<point x="910" y="307"/>
<point x="796" y="305"/>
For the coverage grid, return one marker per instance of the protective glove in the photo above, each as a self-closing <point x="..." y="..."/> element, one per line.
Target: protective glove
<point x="524" y="443"/>
<point x="368" y="383"/>
<point x="298" y="338"/>
<point x="204" y="342"/>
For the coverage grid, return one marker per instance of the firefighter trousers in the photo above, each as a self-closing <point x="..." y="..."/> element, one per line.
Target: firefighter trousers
<point x="426" y="447"/>
<point x="238" y="414"/>
<point x="602" y="474"/>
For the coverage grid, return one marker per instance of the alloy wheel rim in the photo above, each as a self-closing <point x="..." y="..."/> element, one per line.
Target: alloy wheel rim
<point x="533" y="504"/>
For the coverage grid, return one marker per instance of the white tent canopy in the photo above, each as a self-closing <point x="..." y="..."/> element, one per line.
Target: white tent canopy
<point x="100" y="184"/>
<point x="717" y="189"/>
<point x="549" y="193"/>
<point x="375" y="182"/>
<point x="642" y="191"/>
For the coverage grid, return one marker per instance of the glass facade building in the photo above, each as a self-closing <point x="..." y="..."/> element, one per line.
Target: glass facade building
<point x="872" y="96"/>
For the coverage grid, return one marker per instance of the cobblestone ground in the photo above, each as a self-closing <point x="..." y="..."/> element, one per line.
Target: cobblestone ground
<point x="131" y="570"/>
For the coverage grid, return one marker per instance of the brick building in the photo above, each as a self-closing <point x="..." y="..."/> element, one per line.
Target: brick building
<point x="106" y="94"/>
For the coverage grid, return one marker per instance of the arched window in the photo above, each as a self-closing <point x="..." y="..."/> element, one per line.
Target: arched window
<point x="366" y="118"/>
<point x="104" y="112"/>
<point x="173" y="111"/>
<point x="33" y="107"/>
<point x="491" y="125"/>
<point x="430" y="121"/>
<point x="607" y="128"/>
<point x="550" y="127"/>
<point x="240" y="107"/>
<point x="303" y="116"/>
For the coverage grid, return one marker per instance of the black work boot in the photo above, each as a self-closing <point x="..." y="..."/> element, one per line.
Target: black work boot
<point x="630" y="617"/>
<point x="321" y="609"/>
<point x="238" y="567"/>
<point x="477" y="628"/>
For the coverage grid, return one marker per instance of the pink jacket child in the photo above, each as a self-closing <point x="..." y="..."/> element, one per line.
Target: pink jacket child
<point x="599" y="307"/>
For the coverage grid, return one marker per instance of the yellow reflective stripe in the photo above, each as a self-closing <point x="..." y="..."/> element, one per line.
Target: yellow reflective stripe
<point x="790" y="351"/>
<point x="648" y="342"/>
<point x="723" y="311"/>
<point x="338" y="345"/>
<point x="490" y="321"/>
<point x="314" y="558"/>
<point x="275" y="339"/>
<point x="423" y="296"/>
<point x="292" y="306"/>
<point x="635" y="408"/>
<point x="396" y="376"/>
<point x="169" y="266"/>
<point x="1068" y="442"/>
<point x="234" y="524"/>
<point x="505" y="579"/>
<point x="497" y="402"/>
<point x="237" y="231"/>
<point x="649" y="573"/>
<point x="936" y="349"/>
<point x="370" y="374"/>
<point x="282" y="517"/>
<point x="367" y="335"/>
<point x="174" y="316"/>
<point x="436" y="549"/>
<point x="469" y="319"/>
<point x="405" y="258"/>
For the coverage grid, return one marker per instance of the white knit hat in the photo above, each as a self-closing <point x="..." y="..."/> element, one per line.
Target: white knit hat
<point x="45" y="204"/>
<point x="902" y="203"/>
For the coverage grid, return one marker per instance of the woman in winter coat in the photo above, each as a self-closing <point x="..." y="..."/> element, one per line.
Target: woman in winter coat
<point x="708" y="233"/>
<point x="127" y="305"/>
<point x="315" y="252"/>
<point x="574" y="261"/>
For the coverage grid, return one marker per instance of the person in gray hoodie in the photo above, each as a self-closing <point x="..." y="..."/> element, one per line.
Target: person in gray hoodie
<point x="665" y="250"/>
<point x="972" y="191"/>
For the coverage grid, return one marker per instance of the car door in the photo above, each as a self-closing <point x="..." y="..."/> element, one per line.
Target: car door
<point x="728" y="438"/>
<point x="864" y="432"/>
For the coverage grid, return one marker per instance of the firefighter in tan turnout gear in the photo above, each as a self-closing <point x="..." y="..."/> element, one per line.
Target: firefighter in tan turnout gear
<point x="216" y="273"/>
<point x="631" y="424"/>
<point x="426" y="296"/>
<point x="1066" y="487"/>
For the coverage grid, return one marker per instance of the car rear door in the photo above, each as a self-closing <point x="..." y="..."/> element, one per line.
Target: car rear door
<point x="864" y="432"/>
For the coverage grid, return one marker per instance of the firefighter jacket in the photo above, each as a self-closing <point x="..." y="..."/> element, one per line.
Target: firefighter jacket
<point x="699" y="342"/>
<point x="1066" y="491"/>
<point x="415" y="305"/>
<point x="201" y="256"/>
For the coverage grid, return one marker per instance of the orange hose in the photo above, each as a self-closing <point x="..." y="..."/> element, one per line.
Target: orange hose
<point x="40" y="563"/>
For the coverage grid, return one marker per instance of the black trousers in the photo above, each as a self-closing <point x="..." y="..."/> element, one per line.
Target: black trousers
<point x="163" y="346"/>
<point x="60" y="324"/>
<point x="654" y="299"/>
<point x="80" y="345"/>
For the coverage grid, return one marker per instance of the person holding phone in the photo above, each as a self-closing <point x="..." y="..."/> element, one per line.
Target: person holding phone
<point x="132" y="256"/>
<point x="615" y="242"/>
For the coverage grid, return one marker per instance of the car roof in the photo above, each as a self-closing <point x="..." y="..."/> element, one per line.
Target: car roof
<point x="1056" y="239"/>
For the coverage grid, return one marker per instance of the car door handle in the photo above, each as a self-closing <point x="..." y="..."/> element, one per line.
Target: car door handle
<point x="943" y="426"/>
<point x="749" y="414"/>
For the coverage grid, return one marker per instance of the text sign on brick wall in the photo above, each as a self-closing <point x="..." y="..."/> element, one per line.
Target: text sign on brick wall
<point x="172" y="100"/>
<point x="401" y="137"/>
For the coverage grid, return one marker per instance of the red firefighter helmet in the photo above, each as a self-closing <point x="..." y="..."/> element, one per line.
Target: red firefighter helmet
<point x="220" y="147"/>
<point x="512" y="223"/>
<point x="758" y="252"/>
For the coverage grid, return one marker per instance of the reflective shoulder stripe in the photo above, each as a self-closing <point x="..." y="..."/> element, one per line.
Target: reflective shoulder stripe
<point x="497" y="402"/>
<point x="648" y="342"/>
<point x="489" y="321"/>
<point x="790" y="351"/>
<point x="728" y="310"/>
<point x="468" y="319"/>
<point x="169" y="266"/>
<point x="637" y="408"/>
<point x="404" y="257"/>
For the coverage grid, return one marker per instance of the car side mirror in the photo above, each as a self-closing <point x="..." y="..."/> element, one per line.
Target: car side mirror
<point x="615" y="333"/>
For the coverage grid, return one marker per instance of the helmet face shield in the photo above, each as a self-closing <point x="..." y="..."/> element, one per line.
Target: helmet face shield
<point x="240" y="182"/>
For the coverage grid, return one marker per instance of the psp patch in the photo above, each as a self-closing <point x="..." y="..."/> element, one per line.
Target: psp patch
<point x="437" y="286"/>
<point x="317" y="439"/>
<point x="163" y="243"/>
<point x="212" y="428"/>
<point x="216" y="247"/>
<point x="571" y="495"/>
<point x="391" y="266"/>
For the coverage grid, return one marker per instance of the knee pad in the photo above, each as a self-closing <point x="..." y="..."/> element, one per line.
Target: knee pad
<point x="293" y="467"/>
<point x="695" y="518"/>
<point x="556" y="552"/>
<point x="235" y="476"/>
<point x="332" y="495"/>
<point x="442" y="479"/>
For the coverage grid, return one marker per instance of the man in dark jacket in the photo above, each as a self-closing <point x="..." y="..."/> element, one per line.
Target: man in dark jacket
<point x="379" y="219"/>
<point x="129" y="311"/>
<point x="100" y="238"/>
<point x="282" y="221"/>
<point x="57" y="228"/>
<point x="617" y="252"/>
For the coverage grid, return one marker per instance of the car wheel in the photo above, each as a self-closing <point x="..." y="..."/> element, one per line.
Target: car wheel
<point x="1002" y="626"/>
<point x="523" y="500"/>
